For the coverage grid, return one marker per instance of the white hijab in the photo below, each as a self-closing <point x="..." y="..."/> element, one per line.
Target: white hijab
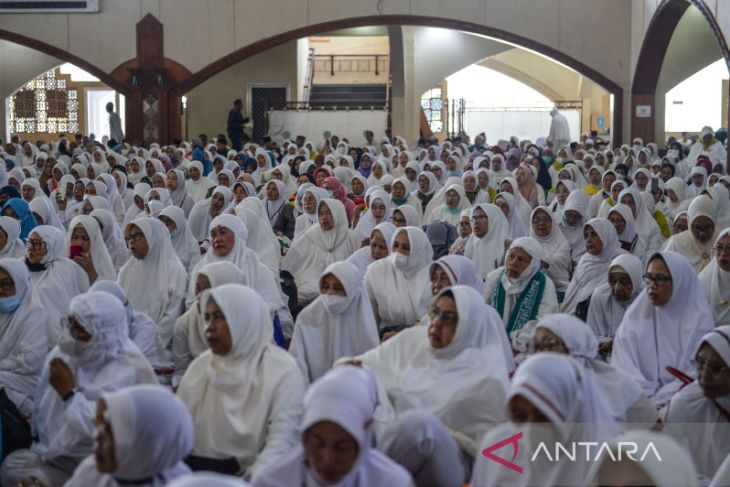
<point x="113" y="238"/>
<point x="200" y="218"/>
<point x="232" y="398"/>
<point x="367" y="222"/>
<point x="697" y="254"/>
<point x="592" y="270"/>
<point x="562" y="390"/>
<point x="487" y="252"/>
<point x="605" y="313"/>
<point x="317" y="248"/>
<point x="148" y="415"/>
<point x="273" y="207"/>
<point x="157" y="280"/>
<point x="650" y="338"/>
<point x="514" y="221"/>
<point x="43" y="206"/>
<point x="197" y="190"/>
<point x="363" y="257"/>
<point x="399" y="286"/>
<point x="97" y="250"/>
<point x="332" y="326"/>
<point x="556" y="250"/>
<point x="461" y="384"/>
<point x="577" y="201"/>
<point x="186" y="247"/>
<point x="346" y="396"/>
<point x="261" y="238"/>
<point x="716" y="286"/>
<point x="14" y="247"/>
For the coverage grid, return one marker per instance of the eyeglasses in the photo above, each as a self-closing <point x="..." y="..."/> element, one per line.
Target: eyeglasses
<point x="541" y="221"/>
<point x="722" y="249"/>
<point x="478" y="217"/>
<point x="445" y="318"/>
<point x="703" y="228"/>
<point x="35" y="244"/>
<point x="134" y="237"/>
<point x="657" y="280"/>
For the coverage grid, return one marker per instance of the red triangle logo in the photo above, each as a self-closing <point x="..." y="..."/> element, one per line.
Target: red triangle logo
<point x="512" y="440"/>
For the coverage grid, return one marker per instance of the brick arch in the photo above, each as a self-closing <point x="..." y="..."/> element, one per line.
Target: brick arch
<point x="425" y="21"/>
<point x="654" y="49"/>
<point x="64" y="56"/>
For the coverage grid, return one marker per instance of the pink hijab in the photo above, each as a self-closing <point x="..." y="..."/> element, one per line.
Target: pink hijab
<point x="528" y="188"/>
<point x="338" y="193"/>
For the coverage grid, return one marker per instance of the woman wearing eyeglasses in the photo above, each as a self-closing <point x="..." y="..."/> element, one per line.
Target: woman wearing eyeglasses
<point x="57" y="279"/>
<point x="715" y="279"/>
<point x="154" y="279"/>
<point x="663" y="327"/>
<point x="445" y="388"/>
<point x="699" y="415"/>
<point x="695" y="244"/>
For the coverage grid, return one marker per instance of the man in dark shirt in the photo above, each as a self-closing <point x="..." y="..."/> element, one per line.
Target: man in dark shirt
<point x="236" y="120"/>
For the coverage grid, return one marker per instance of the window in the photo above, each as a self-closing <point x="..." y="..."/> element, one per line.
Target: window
<point x="45" y="105"/>
<point x="432" y="105"/>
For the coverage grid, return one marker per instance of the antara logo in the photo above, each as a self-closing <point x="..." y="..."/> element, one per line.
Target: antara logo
<point x="588" y="450"/>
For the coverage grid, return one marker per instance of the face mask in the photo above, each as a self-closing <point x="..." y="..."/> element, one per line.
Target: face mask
<point x="334" y="303"/>
<point x="72" y="347"/>
<point x="399" y="260"/>
<point x="452" y="211"/>
<point x="9" y="304"/>
<point x="400" y="201"/>
<point x="175" y="233"/>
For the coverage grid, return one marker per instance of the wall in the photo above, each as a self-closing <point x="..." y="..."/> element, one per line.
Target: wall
<point x="345" y="45"/>
<point x="209" y="103"/>
<point x="302" y="66"/>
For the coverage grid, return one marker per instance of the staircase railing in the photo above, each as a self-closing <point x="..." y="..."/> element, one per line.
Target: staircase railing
<point x="351" y="63"/>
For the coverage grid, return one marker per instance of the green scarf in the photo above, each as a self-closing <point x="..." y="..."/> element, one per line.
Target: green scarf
<point x="527" y="303"/>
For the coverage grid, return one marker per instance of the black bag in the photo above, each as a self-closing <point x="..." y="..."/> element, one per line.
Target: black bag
<point x="290" y="289"/>
<point x="15" y="427"/>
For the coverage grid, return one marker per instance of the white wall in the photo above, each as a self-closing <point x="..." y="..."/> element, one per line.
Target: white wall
<point x="313" y="124"/>
<point x="701" y="100"/>
<point x="524" y="124"/>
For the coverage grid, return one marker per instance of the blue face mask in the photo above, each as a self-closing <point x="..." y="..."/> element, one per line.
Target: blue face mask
<point x="175" y="233"/>
<point x="400" y="201"/>
<point x="452" y="211"/>
<point x="9" y="304"/>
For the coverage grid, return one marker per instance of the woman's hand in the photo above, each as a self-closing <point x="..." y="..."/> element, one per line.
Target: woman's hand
<point x="61" y="202"/>
<point x="84" y="260"/>
<point x="61" y="377"/>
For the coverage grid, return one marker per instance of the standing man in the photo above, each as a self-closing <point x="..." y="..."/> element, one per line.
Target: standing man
<point x="116" y="135"/>
<point x="559" y="131"/>
<point x="236" y="120"/>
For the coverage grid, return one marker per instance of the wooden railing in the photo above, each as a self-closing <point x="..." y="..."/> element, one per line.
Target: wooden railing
<point x="351" y="63"/>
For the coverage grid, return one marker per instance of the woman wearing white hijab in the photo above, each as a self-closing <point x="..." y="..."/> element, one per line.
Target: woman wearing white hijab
<point x="189" y="337"/>
<point x="244" y="393"/>
<point x="197" y="186"/>
<point x="321" y="245"/>
<point x="715" y="279"/>
<point x="566" y="334"/>
<point x="261" y="238"/>
<point x="12" y="246"/>
<point x="670" y="466"/>
<point x="24" y="337"/>
<point x="450" y="210"/>
<point x="379" y="246"/>
<point x="142" y="330"/>
<point x="153" y="278"/>
<point x="186" y="247"/>
<point x="515" y="224"/>
<point x="646" y="225"/>
<point x="401" y="195"/>
<point x="486" y="245"/>
<point x="695" y="244"/>
<point x="339" y="323"/>
<point x="663" y="327"/>
<point x="308" y="198"/>
<point x="698" y="181"/>
<point x="721" y="197"/>
<point x="204" y="211"/>
<point x="677" y="196"/>
<point x="556" y="249"/>
<point x="178" y="191"/>
<point x="280" y="213"/>
<point x="622" y="219"/>
<point x="602" y="247"/>
<point x="552" y="401"/>
<point x="340" y="408"/>
<point x="520" y="291"/>
<point x="445" y="387"/>
<point x="138" y="201"/>
<point x="398" y="286"/>
<point x="148" y="415"/>
<point x="523" y="208"/>
<point x="95" y="356"/>
<point x="378" y="212"/>
<point x="611" y="299"/>
<point x="56" y="279"/>
<point x="43" y="208"/>
<point x="698" y="417"/>
<point x="263" y="165"/>
<point x="126" y="192"/>
<point x="228" y="236"/>
<point x="84" y="232"/>
<point x="427" y="186"/>
<point x="115" y="199"/>
<point x="113" y="238"/>
<point x="571" y="221"/>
